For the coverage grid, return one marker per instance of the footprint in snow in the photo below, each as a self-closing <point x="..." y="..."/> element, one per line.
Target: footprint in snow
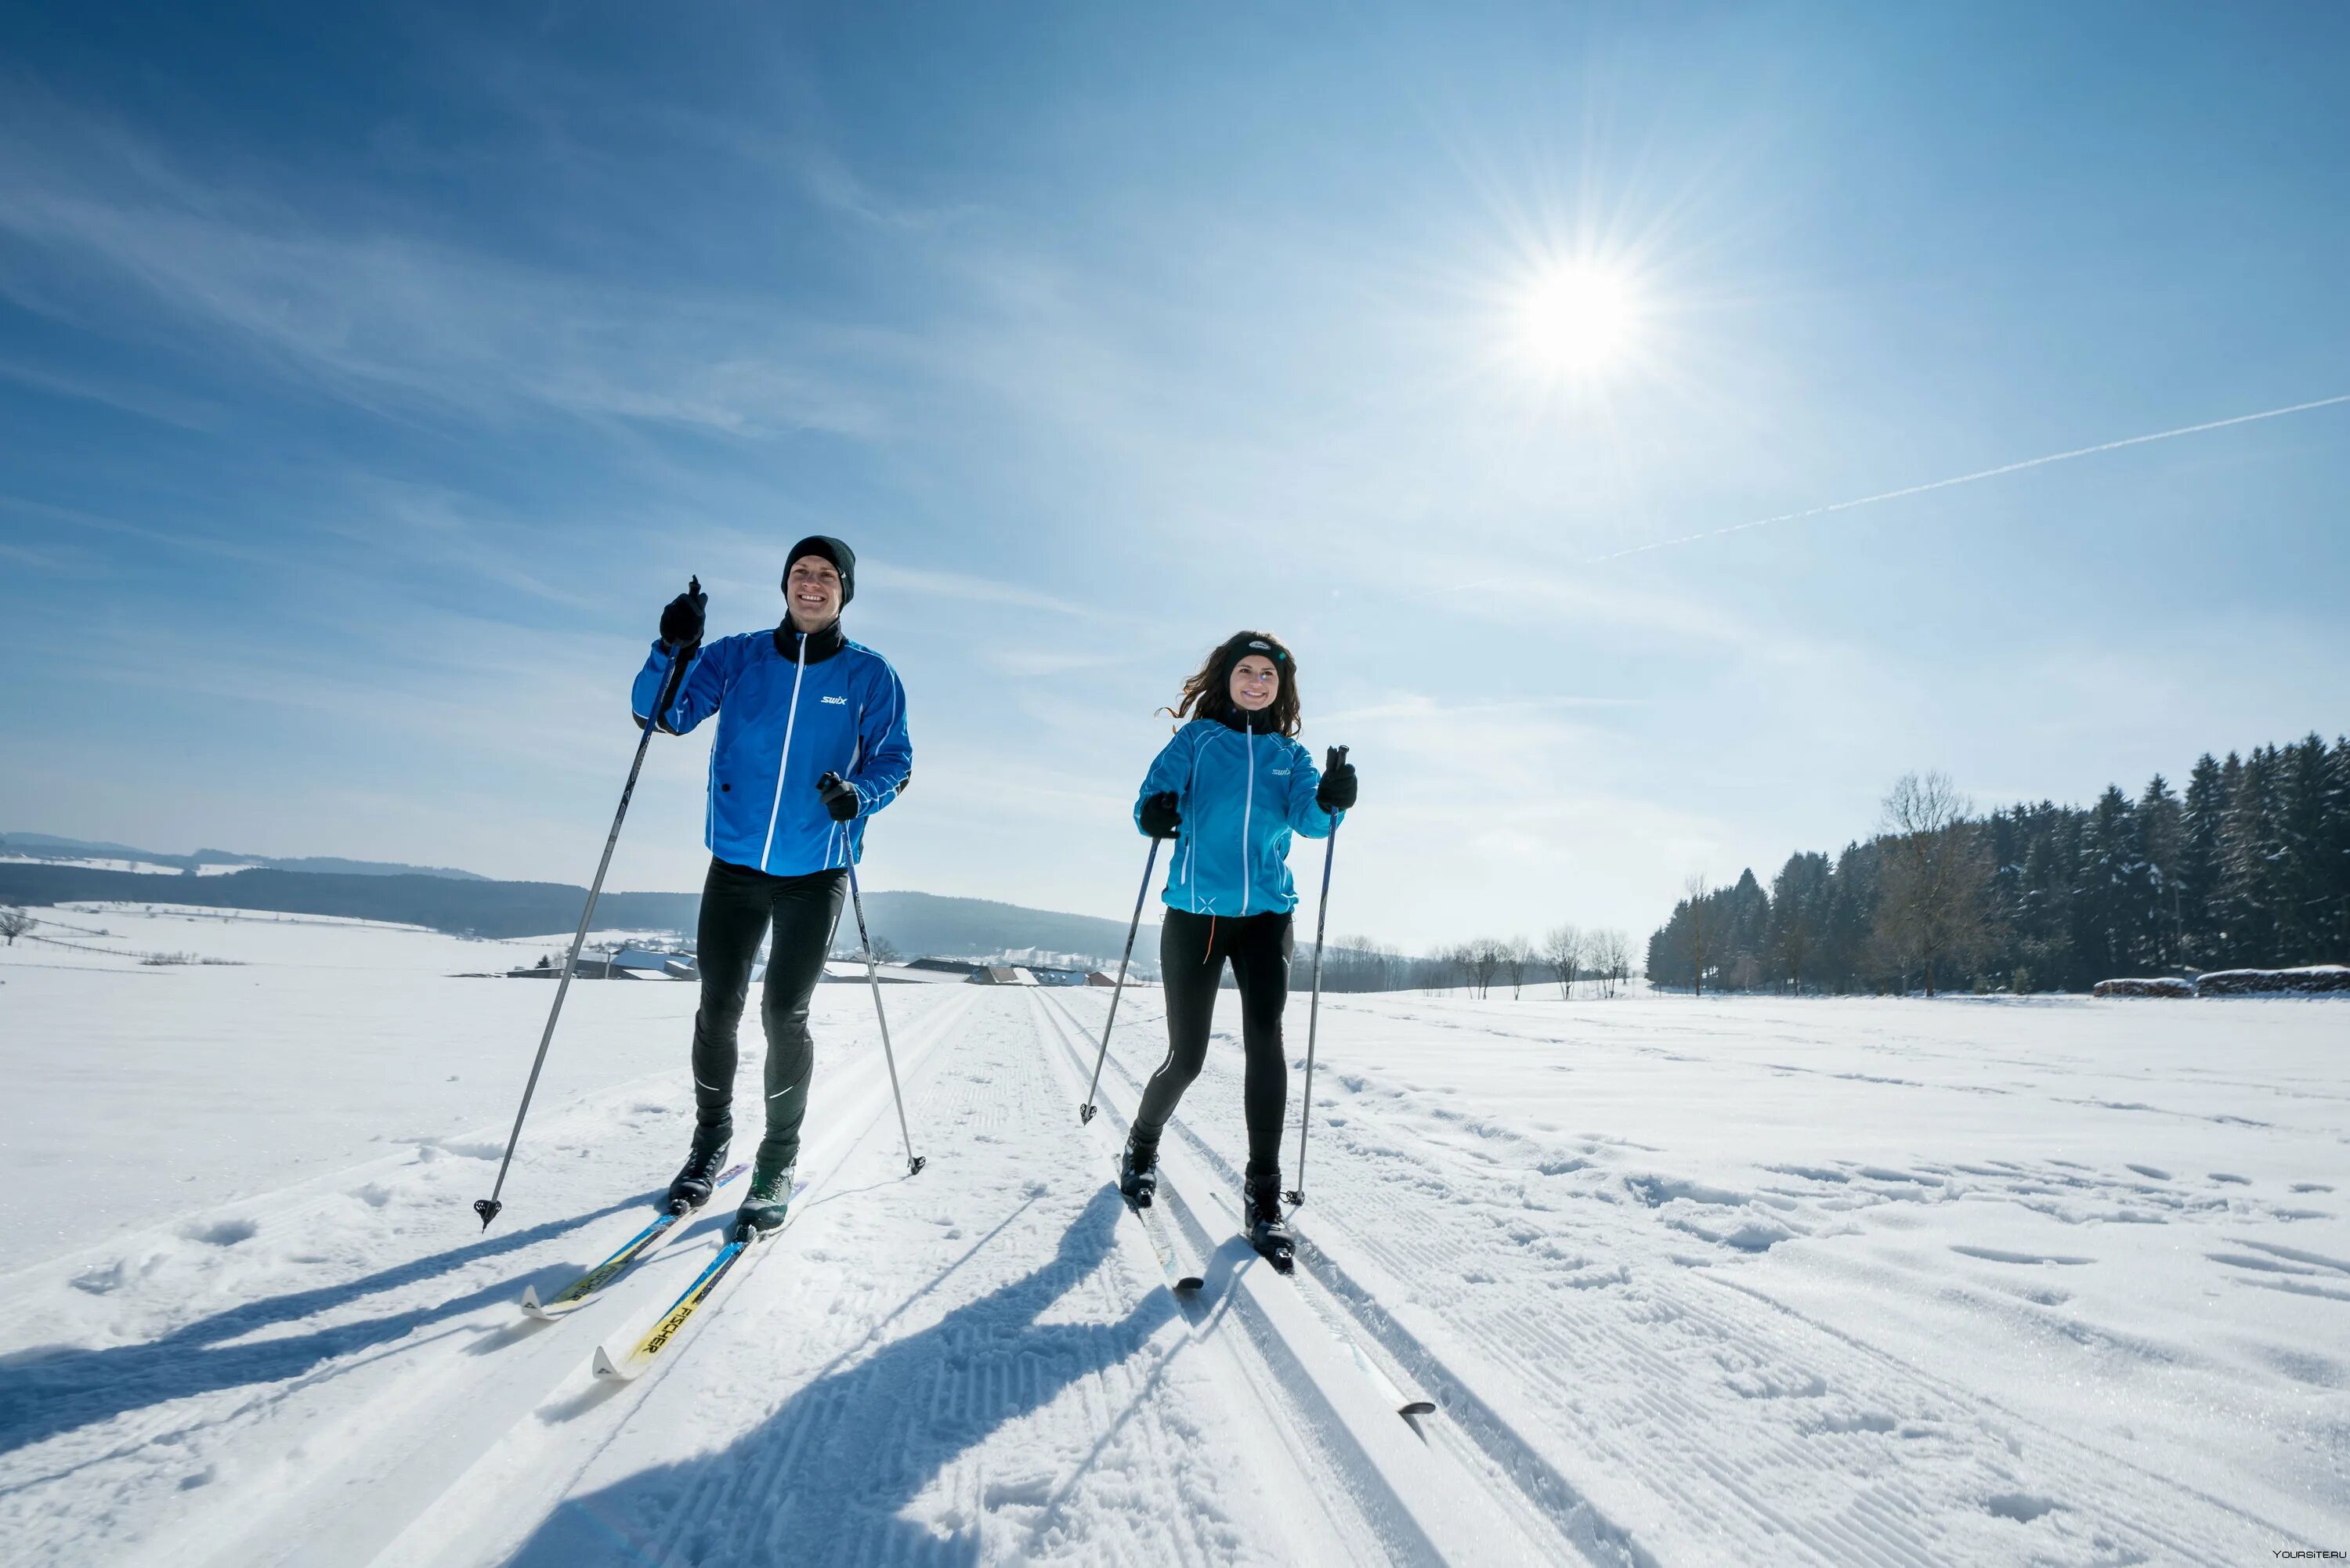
<point x="2021" y="1506"/>
<point x="1861" y="1421"/>
<point x="2039" y="1295"/>
<point x="222" y="1232"/>
<point x="103" y="1279"/>
<point x="1996" y="1255"/>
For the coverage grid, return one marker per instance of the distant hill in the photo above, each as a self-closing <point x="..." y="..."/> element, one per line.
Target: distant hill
<point x="916" y="923"/>
<point x="48" y="844"/>
<point x="478" y="906"/>
<point x="926" y="923"/>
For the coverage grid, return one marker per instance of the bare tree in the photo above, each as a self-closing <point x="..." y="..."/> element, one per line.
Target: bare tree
<point x="1936" y="874"/>
<point x="1563" y="950"/>
<point x="1516" y="956"/>
<point x="1355" y="963"/>
<point x="1484" y="964"/>
<point x="885" y="950"/>
<point x="15" y="923"/>
<point x="1613" y="957"/>
<point x="1697" y="890"/>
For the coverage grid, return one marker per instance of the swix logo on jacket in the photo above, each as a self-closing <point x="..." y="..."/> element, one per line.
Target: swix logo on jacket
<point x="790" y="710"/>
<point x="1244" y="796"/>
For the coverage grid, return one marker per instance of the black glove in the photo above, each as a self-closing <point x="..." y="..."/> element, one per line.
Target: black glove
<point x="1159" y="817"/>
<point x="1336" y="790"/>
<point x="682" y="618"/>
<point x="839" y="797"/>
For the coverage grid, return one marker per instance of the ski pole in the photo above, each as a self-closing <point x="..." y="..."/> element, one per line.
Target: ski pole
<point x="914" y="1162"/>
<point x="1085" y="1111"/>
<point x="487" y="1207"/>
<point x="1296" y="1195"/>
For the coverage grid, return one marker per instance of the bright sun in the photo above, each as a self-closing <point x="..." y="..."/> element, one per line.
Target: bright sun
<point x="1579" y="320"/>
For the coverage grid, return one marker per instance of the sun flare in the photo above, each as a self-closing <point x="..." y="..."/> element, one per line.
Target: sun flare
<point x="1580" y="319"/>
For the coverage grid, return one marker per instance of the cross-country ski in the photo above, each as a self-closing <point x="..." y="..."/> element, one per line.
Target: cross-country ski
<point x="638" y="1249"/>
<point x="1182" y="1283"/>
<point x="639" y="1356"/>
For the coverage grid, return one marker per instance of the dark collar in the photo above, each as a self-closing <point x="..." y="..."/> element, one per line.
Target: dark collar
<point x="1235" y="717"/>
<point x="821" y="645"/>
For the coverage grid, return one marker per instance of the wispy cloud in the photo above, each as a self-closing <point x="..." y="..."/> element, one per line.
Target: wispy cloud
<point x="1978" y="475"/>
<point x="52" y="517"/>
<point x="1423" y="708"/>
<point x="89" y="211"/>
<point x="974" y="589"/>
<point x="449" y="532"/>
<point x="187" y="413"/>
<point x="1685" y="618"/>
<point x="1043" y="661"/>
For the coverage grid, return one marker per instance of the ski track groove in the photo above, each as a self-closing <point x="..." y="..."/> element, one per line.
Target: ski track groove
<point x="1572" y="1528"/>
<point x="762" y="1487"/>
<point x="1335" y="1483"/>
<point x="1643" y="1355"/>
<point x="1536" y="1490"/>
<point x="637" y="1297"/>
<point x="745" y="1507"/>
<point x="1697" y="1402"/>
<point x="690" y="1540"/>
<point x="147" y="1439"/>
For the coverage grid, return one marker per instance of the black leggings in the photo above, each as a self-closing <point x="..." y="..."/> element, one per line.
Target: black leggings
<point x="739" y="906"/>
<point x="1192" y="953"/>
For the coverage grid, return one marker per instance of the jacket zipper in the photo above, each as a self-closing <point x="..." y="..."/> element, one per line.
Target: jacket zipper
<point x="1247" y="803"/>
<point x="1192" y="839"/>
<point x="783" y="762"/>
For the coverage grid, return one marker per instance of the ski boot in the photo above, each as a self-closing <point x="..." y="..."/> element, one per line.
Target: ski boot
<point x="1260" y="1203"/>
<point x="763" y="1206"/>
<point x="698" y="1178"/>
<point x="1137" y="1173"/>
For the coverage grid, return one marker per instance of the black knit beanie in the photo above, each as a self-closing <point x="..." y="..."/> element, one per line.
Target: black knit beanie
<point x="824" y="547"/>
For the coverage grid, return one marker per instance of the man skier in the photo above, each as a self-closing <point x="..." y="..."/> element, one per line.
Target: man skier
<point x="811" y="741"/>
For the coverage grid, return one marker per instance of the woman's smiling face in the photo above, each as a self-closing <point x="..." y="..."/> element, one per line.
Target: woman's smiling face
<point x="1257" y="681"/>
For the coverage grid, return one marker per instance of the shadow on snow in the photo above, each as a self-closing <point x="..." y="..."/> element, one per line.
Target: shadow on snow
<point x="44" y="1394"/>
<point x="824" y="1478"/>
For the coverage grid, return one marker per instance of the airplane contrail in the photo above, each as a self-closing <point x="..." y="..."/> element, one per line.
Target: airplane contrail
<point x="1971" y="478"/>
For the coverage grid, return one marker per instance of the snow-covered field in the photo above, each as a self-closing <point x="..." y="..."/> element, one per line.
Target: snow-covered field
<point x="1736" y="1281"/>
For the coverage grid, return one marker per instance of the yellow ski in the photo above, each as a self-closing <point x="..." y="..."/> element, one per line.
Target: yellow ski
<point x="636" y="1250"/>
<point x="673" y="1320"/>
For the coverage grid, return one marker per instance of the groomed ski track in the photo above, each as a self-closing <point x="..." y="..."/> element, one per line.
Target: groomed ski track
<point x="1618" y="1365"/>
<point x="980" y="1364"/>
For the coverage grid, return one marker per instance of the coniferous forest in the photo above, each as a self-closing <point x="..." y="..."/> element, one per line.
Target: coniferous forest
<point x="2247" y="867"/>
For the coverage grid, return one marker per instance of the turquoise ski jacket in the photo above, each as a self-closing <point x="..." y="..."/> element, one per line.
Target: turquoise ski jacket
<point x="790" y="710"/>
<point x="1242" y="796"/>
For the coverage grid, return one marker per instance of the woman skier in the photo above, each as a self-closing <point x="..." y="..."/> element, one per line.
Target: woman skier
<point x="1231" y="787"/>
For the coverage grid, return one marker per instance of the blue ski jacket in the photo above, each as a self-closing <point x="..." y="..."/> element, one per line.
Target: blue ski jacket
<point x="791" y="708"/>
<point x="1242" y="796"/>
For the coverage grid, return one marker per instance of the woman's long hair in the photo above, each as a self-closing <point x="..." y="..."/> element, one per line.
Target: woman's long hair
<point x="1209" y="693"/>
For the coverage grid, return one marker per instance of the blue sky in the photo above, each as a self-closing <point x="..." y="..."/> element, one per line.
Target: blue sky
<point x="371" y="377"/>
